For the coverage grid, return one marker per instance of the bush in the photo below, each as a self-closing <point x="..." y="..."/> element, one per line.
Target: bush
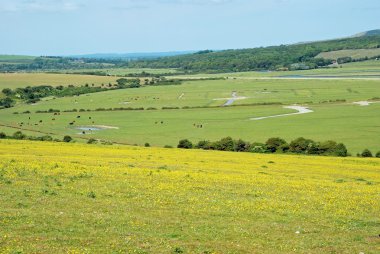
<point x="19" y="135"/>
<point x="147" y="145"/>
<point x="2" y="135"/>
<point x="67" y="139"/>
<point x="185" y="144"/>
<point x="302" y="145"/>
<point x="242" y="146"/>
<point x="46" y="138"/>
<point x="366" y="153"/>
<point x="225" y="144"/>
<point x="378" y="154"/>
<point x="92" y="141"/>
<point x="275" y="144"/>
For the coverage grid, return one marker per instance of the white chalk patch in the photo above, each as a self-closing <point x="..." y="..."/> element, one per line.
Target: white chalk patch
<point x="300" y="109"/>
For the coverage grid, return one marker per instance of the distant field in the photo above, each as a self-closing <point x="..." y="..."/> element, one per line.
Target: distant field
<point x="124" y="71"/>
<point x="353" y="53"/>
<point x="70" y="198"/>
<point x="14" y="80"/>
<point x="11" y="59"/>
<point x="365" y="69"/>
<point x="343" y="121"/>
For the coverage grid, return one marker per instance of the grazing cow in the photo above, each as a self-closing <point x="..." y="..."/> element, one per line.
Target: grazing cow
<point x="71" y="123"/>
<point x="162" y="122"/>
<point x="90" y="118"/>
<point x="40" y="121"/>
<point x="29" y="117"/>
<point x="78" y="116"/>
<point x="53" y="119"/>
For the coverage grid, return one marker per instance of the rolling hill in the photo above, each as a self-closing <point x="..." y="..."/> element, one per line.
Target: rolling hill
<point x="296" y="56"/>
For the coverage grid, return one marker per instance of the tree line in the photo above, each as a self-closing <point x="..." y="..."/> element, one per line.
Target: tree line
<point x="277" y="145"/>
<point x="281" y="57"/>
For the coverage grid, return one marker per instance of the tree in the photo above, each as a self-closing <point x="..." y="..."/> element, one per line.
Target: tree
<point x="274" y="144"/>
<point x="366" y="153"/>
<point x="378" y="154"/>
<point x="67" y="139"/>
<point x="7" y="91"/>
<point x="185" y="144"/>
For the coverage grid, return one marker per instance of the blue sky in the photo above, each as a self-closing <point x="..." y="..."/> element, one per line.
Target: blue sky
<point x="63" y="27"/>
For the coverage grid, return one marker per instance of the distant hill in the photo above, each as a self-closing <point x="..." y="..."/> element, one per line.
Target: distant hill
<point x="368" y="33"/>
<point x="132" y="56"/>
<point x="283" y="57"/>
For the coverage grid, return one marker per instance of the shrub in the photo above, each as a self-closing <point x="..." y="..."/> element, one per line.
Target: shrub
<point x="147" y="145"/>
<point x="302" y="145"/>
<point x="274" y="144"/>
<point x="378" y="154"/>
<point x="92" y="141"/>
<point x="242" y="146"/>
<point x="19" y="135"/>
<point x="366" y="153"/>
<point x="204" y="144"/>
<point x="2" y="135"/>
<point x="46" y="138"/>
<point x="185" y="143"/>
<point x="67" y="139"/>
<point x="225" y="144"/>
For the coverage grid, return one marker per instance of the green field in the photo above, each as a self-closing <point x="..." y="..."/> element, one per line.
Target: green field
<point x="366" y="69"/>
<point x="15" y="59"/>
<point x="353" y="53"/>
<point x="15" y="80"/>
<point x="335" y="116"/>
<point x="124" y="71"/>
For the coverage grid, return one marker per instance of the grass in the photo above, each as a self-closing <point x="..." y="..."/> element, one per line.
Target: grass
<point x="353" y="53"/>
<point x="125" y="71"/>
<point x="71" y="198"/>
<point x="353" y="125"/>
<point x="15" y="80"/>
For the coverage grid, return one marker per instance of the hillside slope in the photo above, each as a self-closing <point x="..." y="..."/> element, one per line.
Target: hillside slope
<point x="70" y="198"/>
<point x="297" y="56"/>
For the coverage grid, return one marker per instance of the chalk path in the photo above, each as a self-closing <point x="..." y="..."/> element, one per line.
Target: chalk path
<point x="300" y="109"/>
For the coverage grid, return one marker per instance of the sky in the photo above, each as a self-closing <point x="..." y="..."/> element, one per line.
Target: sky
<point x="70" y="27"/>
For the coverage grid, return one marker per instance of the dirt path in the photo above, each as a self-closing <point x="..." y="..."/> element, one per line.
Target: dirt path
<point x="300" y="109"/>
<point x="230" y="101"/>
<point x="365" y="103"/>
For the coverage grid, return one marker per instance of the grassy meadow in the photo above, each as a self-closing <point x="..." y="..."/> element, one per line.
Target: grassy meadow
<point x="353" y="53"/>
<point x="15" y="80"/>
<point x="335" y="116"/>
<point x="73" y="198"/>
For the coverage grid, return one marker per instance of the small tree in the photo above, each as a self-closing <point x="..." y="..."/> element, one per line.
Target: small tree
<point x="185" y="143"/>
<point x="147" y="145"/>
<point x="378" y="154"/>
<point x="225" y="144"/>
<point x="2" y="135"/>
<point x="366" y="153"/>
<point x="67" y="139"/>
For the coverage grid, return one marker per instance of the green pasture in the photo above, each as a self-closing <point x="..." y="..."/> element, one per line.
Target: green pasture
<point x="334" y="117"/>
<point x="356" y="126"/>
<point x="124" y="71"/>
<point x="353" y="53"/>
<point x="15" y="80"/>
<point x="216" y="93"/>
